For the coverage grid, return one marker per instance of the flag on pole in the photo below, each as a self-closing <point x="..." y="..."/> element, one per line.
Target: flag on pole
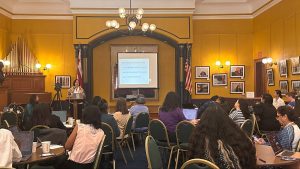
<point x="79" y="68"/>
<point x="188" y="77"/>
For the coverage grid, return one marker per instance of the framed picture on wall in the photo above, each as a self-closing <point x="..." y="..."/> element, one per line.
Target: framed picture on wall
<point x="237" y="71"/>
<point x="296" y="86"/>
<point x="282" y="64"/>
<point x="202" y="87"/>
<point x="202" y="72"/>
<point x="295" y="61"/>
<point x="284" y="86"/>
<point x="237" y="87"/>
<point x="270" y="77"/>
<point x="64" y="80"/>
<point x="219" y="79"/>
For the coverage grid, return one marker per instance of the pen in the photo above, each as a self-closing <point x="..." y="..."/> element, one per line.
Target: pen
<point x="261" y="160"/>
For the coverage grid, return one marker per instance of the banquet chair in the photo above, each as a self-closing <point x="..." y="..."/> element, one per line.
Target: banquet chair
<point x="153" y="154"/>
<point x="140" y="127"/>
<point x="194" y="164"/>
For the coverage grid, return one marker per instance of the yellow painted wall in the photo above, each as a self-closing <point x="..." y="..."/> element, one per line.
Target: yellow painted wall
<point x="102" y="73"/>
<point x="51" y="42"/>
<point x="223" y="40"/>
<point x="5" y="28"/>
<point x="277" y="35"/>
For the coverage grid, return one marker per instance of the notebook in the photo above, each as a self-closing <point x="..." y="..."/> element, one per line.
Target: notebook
<point x="24" y="139"/>
<point x="276" y="147"/>
<point x="190" y="114"/>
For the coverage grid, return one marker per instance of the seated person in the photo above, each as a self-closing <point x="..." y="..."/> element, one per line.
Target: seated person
<point x="278" y="101"/>
<point x="266" y="113"/>
<point x="121" y="115"/>
<point x="214" y="99"/>
<point x="41" y="115"/>
<point x="105" y="117"/>
<point x="241" y="112"/>
<point x="9" y="149"/>
<point x="289" y="136"/>
<point x="84" y="140"/>
<point x="33" y="100"/>
<point x="171" y="114"/>
<point x="219" y="140"/>
<point x="291" y="99"/>
<point x="138" y="108"/>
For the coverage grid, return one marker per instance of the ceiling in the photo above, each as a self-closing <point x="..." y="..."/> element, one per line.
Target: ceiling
<point x="201" y="9"/>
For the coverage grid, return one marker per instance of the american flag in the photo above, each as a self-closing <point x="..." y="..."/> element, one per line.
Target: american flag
<point x="188" y="77"/>
<point x="79" y="68"/>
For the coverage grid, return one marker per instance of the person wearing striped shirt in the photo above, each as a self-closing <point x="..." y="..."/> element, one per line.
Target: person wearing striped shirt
<point x="241" y="112"/>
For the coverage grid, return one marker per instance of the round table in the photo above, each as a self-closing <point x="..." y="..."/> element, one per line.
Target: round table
<point x="36" y="156"/>
<point x="265" y="153"/>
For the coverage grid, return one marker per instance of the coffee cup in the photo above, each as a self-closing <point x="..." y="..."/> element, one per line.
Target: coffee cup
<point x="46" y="147"/>
<point x="34" y="145"/>
<point x="70" y="120"/>
<point x="78" y="121"/>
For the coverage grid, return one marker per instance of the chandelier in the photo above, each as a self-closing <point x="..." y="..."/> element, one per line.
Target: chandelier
<point x="133" y="19"/>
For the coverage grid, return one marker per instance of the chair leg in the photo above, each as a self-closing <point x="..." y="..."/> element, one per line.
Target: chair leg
<point x="177" y="157"/>
<point x="170" y="157"/>
<point x="133" y="145"/>
<point x="129" y="149"/>
<point x="114" y="163"/>
<point x="121" y="149"/>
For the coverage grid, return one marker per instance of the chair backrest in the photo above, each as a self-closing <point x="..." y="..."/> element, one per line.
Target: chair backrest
<point x="153" y="154"/>
<point x="254" y="122"/>
<point x="97" y="160"/>
<point x="142" y="120"/>
<point x="128" y="126"/>
<point x="37" y="127"/>
<point x="158" y="130"/>
<point x="10" y="117"/>
<point x="247" y="128"/>
<point x="194" y="164"/>
<point x="110" y="135"/>
<point x="184" y="130"/>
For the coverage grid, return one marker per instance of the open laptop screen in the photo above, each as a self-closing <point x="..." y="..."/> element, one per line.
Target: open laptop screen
<point x="272" y="138"/>
<point x="190" y="114"/>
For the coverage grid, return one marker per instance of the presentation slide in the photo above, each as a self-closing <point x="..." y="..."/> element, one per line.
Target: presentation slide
<point x="137" y="70"/>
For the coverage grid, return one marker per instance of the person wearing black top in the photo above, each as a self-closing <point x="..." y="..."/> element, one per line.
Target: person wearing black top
<point x="2" y="77"/>
<point x="266" y="113"/>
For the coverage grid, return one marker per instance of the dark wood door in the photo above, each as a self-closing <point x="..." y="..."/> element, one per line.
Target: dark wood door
<point x="260" y="78"/>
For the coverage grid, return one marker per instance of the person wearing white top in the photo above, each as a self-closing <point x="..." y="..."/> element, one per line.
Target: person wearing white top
<point x="278" y="101"/>
<point x="9" y="149"/>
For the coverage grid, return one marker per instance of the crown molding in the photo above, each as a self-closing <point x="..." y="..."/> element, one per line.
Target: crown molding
<point x="147" y="11"/>
<point x="265" y="8"/>
<point x="207" y="17"/>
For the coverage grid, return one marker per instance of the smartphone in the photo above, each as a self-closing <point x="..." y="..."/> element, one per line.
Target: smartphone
<point x="47" y="154"/>
<point x="288" y="158"/>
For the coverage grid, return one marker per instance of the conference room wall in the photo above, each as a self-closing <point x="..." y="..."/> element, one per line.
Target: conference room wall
<point x="51" y="42"/>
<point x="102" y="73"/>
<point x="5" y="27"/>
<point x="223" y="40"/>
<point x="277" y="35"/>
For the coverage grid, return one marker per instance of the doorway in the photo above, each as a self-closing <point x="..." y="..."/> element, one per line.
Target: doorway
<point x="260" y="78"/>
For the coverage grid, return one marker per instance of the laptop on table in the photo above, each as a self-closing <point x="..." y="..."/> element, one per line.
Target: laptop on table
<point x="190" y="114"/>
<point x="276" y="147"/>
<point x="24" y="139"/>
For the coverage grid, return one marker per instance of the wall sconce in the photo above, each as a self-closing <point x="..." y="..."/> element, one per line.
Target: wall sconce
<point x="47" y="66"/>
<point x="219" y="64"/>
<point x="268" y="61"/>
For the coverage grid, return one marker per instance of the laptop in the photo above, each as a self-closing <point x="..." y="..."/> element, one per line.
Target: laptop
<point x="190" y="114"/>
<point x="24" y="139"/>
<point x="61" y="114"/>
<point x="276" y="147"/>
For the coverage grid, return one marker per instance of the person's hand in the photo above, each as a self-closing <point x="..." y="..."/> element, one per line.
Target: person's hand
<point x="195" y="121"/>
<point x="260" y="141"/>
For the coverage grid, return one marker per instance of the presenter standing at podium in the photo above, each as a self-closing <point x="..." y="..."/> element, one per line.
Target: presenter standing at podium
<point x="76" y="92"/>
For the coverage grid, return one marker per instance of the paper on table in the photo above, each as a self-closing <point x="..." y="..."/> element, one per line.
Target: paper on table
<point x="55" y="146"/>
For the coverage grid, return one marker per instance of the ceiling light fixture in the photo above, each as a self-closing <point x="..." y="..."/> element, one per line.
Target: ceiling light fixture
<point x="133" y="19"/>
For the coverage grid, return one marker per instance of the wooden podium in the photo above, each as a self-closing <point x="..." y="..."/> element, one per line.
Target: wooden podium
<point x="75" y="99"/>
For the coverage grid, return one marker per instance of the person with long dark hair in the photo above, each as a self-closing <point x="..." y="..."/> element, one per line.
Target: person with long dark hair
<point x="218" y="139"/>
<point x="84" y="140"/>
<point x="267" y="114"/>
<point x="241" y="112"/>
<point x="278" y="101"/>
<point x="41" y="115"/>
<point x="33" y="100"/>
<point x="122" y="114"/>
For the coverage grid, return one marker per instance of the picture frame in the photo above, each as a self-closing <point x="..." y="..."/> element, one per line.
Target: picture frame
<point x="295" y="62"/>
<point x="202" y="88"/>
<point x="237" y="71"/>
<point x="270" y="77"/>
<point x="64" y="80"/>
<point x="237" y="87"/>
<point x="283" y="70"/>
<point x="296" y="86"/>
<point x="219" y="79"/>
<point x="284" y="86"/>
<point x="202" y="72"/>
